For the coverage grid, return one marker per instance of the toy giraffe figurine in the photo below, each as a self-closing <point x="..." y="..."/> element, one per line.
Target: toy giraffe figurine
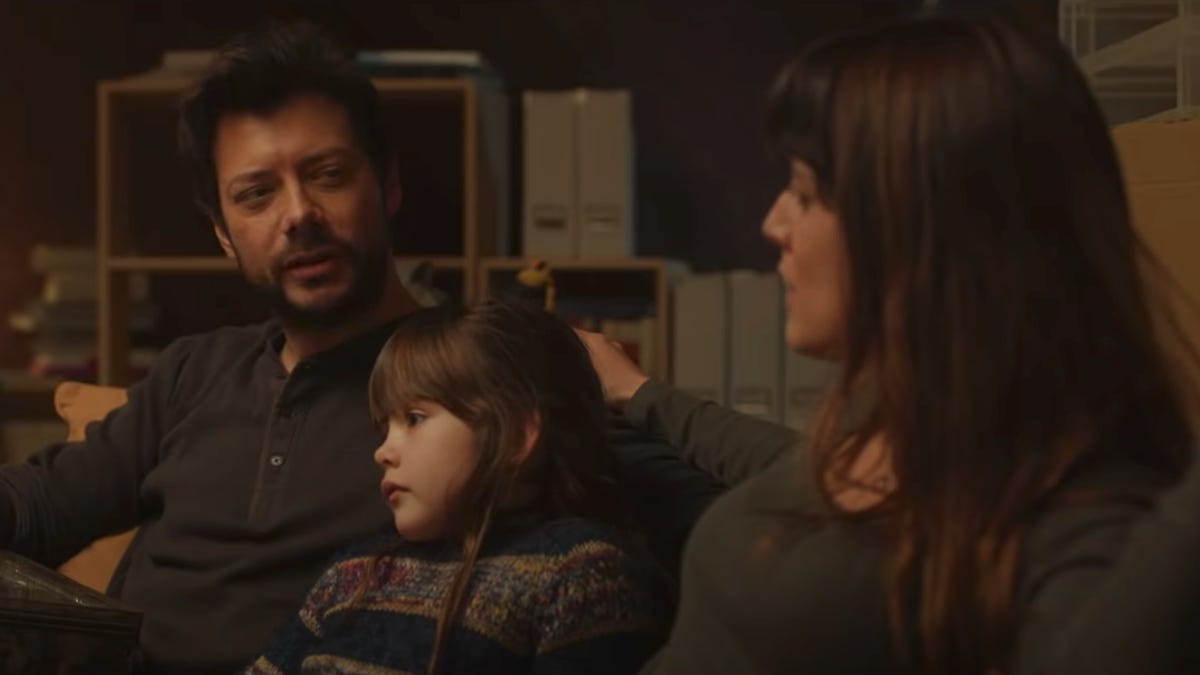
<point x="536" y="277"/>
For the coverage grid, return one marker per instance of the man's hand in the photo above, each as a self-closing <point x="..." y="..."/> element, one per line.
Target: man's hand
<point x="619" y="375"/>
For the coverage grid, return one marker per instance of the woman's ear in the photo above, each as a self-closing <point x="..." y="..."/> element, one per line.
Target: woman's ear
<point x="533" y="431"/>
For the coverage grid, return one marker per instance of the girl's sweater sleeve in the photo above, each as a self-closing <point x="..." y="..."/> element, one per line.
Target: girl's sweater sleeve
<point x="602" y="613"/>
<point x="300" y="636"/>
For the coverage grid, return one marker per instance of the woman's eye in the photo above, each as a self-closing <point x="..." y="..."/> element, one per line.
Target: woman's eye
<point x="803" y="198"/>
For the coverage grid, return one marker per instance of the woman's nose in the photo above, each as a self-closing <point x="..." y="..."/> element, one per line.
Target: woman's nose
<point x="774" y="228"/>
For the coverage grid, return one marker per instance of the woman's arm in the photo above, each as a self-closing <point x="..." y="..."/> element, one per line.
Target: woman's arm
<point x="727" y="444"/>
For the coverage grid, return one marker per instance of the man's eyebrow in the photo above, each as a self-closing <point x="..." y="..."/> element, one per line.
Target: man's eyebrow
<point x="325" y="155"/>
<point x="247" y="177"/>
<point x="317" y="157"/>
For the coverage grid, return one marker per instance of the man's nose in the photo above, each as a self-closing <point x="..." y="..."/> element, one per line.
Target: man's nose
<point x="301" y="211"/>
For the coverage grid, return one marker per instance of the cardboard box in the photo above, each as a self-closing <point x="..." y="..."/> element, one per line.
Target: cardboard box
<point x="1161" y="164"/>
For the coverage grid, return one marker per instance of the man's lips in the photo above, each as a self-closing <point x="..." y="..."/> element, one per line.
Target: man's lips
<point x="311" y="264"/>
<point x="308" y="259"/>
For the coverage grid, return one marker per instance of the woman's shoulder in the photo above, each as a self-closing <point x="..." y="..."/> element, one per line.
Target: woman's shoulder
<point x="1086" y="520"/>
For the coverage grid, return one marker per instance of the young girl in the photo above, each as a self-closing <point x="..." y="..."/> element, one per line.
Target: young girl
<point x="501" y="486"/>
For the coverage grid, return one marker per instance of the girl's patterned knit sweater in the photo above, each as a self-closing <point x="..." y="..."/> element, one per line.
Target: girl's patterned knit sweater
<point x="567" y="596"/>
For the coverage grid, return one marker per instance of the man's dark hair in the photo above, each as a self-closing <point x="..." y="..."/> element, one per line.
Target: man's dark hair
<point x="257" y="72"/>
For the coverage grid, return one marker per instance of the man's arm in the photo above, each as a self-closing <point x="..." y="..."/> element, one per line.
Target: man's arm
<point x="667" y="493"/>
<point x="69" y="494"/>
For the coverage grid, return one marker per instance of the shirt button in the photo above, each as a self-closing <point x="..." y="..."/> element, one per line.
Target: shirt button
<point x="276" y="461"/>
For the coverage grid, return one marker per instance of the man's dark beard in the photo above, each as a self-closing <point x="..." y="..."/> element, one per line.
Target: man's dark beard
<point x="367" y="268"/>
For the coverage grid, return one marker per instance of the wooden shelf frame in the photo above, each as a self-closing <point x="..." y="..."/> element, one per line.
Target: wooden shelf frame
<point x="189" y="264"/>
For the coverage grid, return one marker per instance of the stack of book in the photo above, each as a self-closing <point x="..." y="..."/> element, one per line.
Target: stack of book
<point x="61" y="322"/>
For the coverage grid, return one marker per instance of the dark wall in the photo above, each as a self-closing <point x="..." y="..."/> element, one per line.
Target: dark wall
<point x="698" y="72"/>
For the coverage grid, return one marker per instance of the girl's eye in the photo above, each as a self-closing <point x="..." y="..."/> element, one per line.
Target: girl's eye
<point x="413" y="417"/>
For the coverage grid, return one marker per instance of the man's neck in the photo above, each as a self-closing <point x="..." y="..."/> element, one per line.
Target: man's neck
<point x="300" y="344"/>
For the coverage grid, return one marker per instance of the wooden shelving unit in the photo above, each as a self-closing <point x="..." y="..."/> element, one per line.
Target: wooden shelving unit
<point x="450" y="134"/>
<point x="26" y="415"/>
<point x="631" y="279"/>
<point x="135" y="188"/>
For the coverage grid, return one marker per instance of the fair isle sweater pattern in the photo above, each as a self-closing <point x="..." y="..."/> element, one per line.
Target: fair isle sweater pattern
<point x="566" y="596"/>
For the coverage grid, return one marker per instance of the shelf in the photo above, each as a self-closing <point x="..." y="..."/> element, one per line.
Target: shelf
<point x="423" y="86"/>
<point x="172" y="264"/>
<point x="222" y="264"/>
<point x="600" y="279"/>
<point x="173" y="84"/>
<point x="583" y="264"/>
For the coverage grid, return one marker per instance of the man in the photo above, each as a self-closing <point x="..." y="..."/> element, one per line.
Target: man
<point x="245" y="456"/>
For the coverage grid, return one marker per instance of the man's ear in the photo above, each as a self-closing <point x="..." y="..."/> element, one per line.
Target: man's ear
<point x="223" y="239"/>
<point x="533" y="432"/>
<point x="393" y="193"/>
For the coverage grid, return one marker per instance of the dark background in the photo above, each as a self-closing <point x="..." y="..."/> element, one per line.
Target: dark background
<point x="698" y="71"/>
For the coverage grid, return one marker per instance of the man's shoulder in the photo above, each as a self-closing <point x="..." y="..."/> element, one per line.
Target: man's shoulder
<point x="221" y="344"/>
<point x="239" y="336"/>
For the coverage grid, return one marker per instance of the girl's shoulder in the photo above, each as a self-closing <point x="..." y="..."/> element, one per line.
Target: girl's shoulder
<point x="561" y="536"/>
<point x="569" y="551"/>
<point x="377" y="544"/>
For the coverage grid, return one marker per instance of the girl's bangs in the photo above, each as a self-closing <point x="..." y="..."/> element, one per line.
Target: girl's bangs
<point x="418" y="365"/>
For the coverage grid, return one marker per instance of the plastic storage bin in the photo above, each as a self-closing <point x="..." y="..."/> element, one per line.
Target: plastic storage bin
<point x="1141" y="56"/>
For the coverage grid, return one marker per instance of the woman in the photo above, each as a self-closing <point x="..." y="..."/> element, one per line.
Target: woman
<point x="954" y="232"/>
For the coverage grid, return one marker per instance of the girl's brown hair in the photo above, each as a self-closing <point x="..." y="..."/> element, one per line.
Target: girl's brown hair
<point x="996" y="318"/>
<point x="497" y="367"/>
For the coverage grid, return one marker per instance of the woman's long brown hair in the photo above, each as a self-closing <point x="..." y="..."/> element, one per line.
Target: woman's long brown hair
<point x="497" y="366"/>
<point x="996" y="318"/>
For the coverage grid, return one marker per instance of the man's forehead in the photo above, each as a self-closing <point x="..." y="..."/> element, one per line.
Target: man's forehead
<point x="300" y="125"/>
